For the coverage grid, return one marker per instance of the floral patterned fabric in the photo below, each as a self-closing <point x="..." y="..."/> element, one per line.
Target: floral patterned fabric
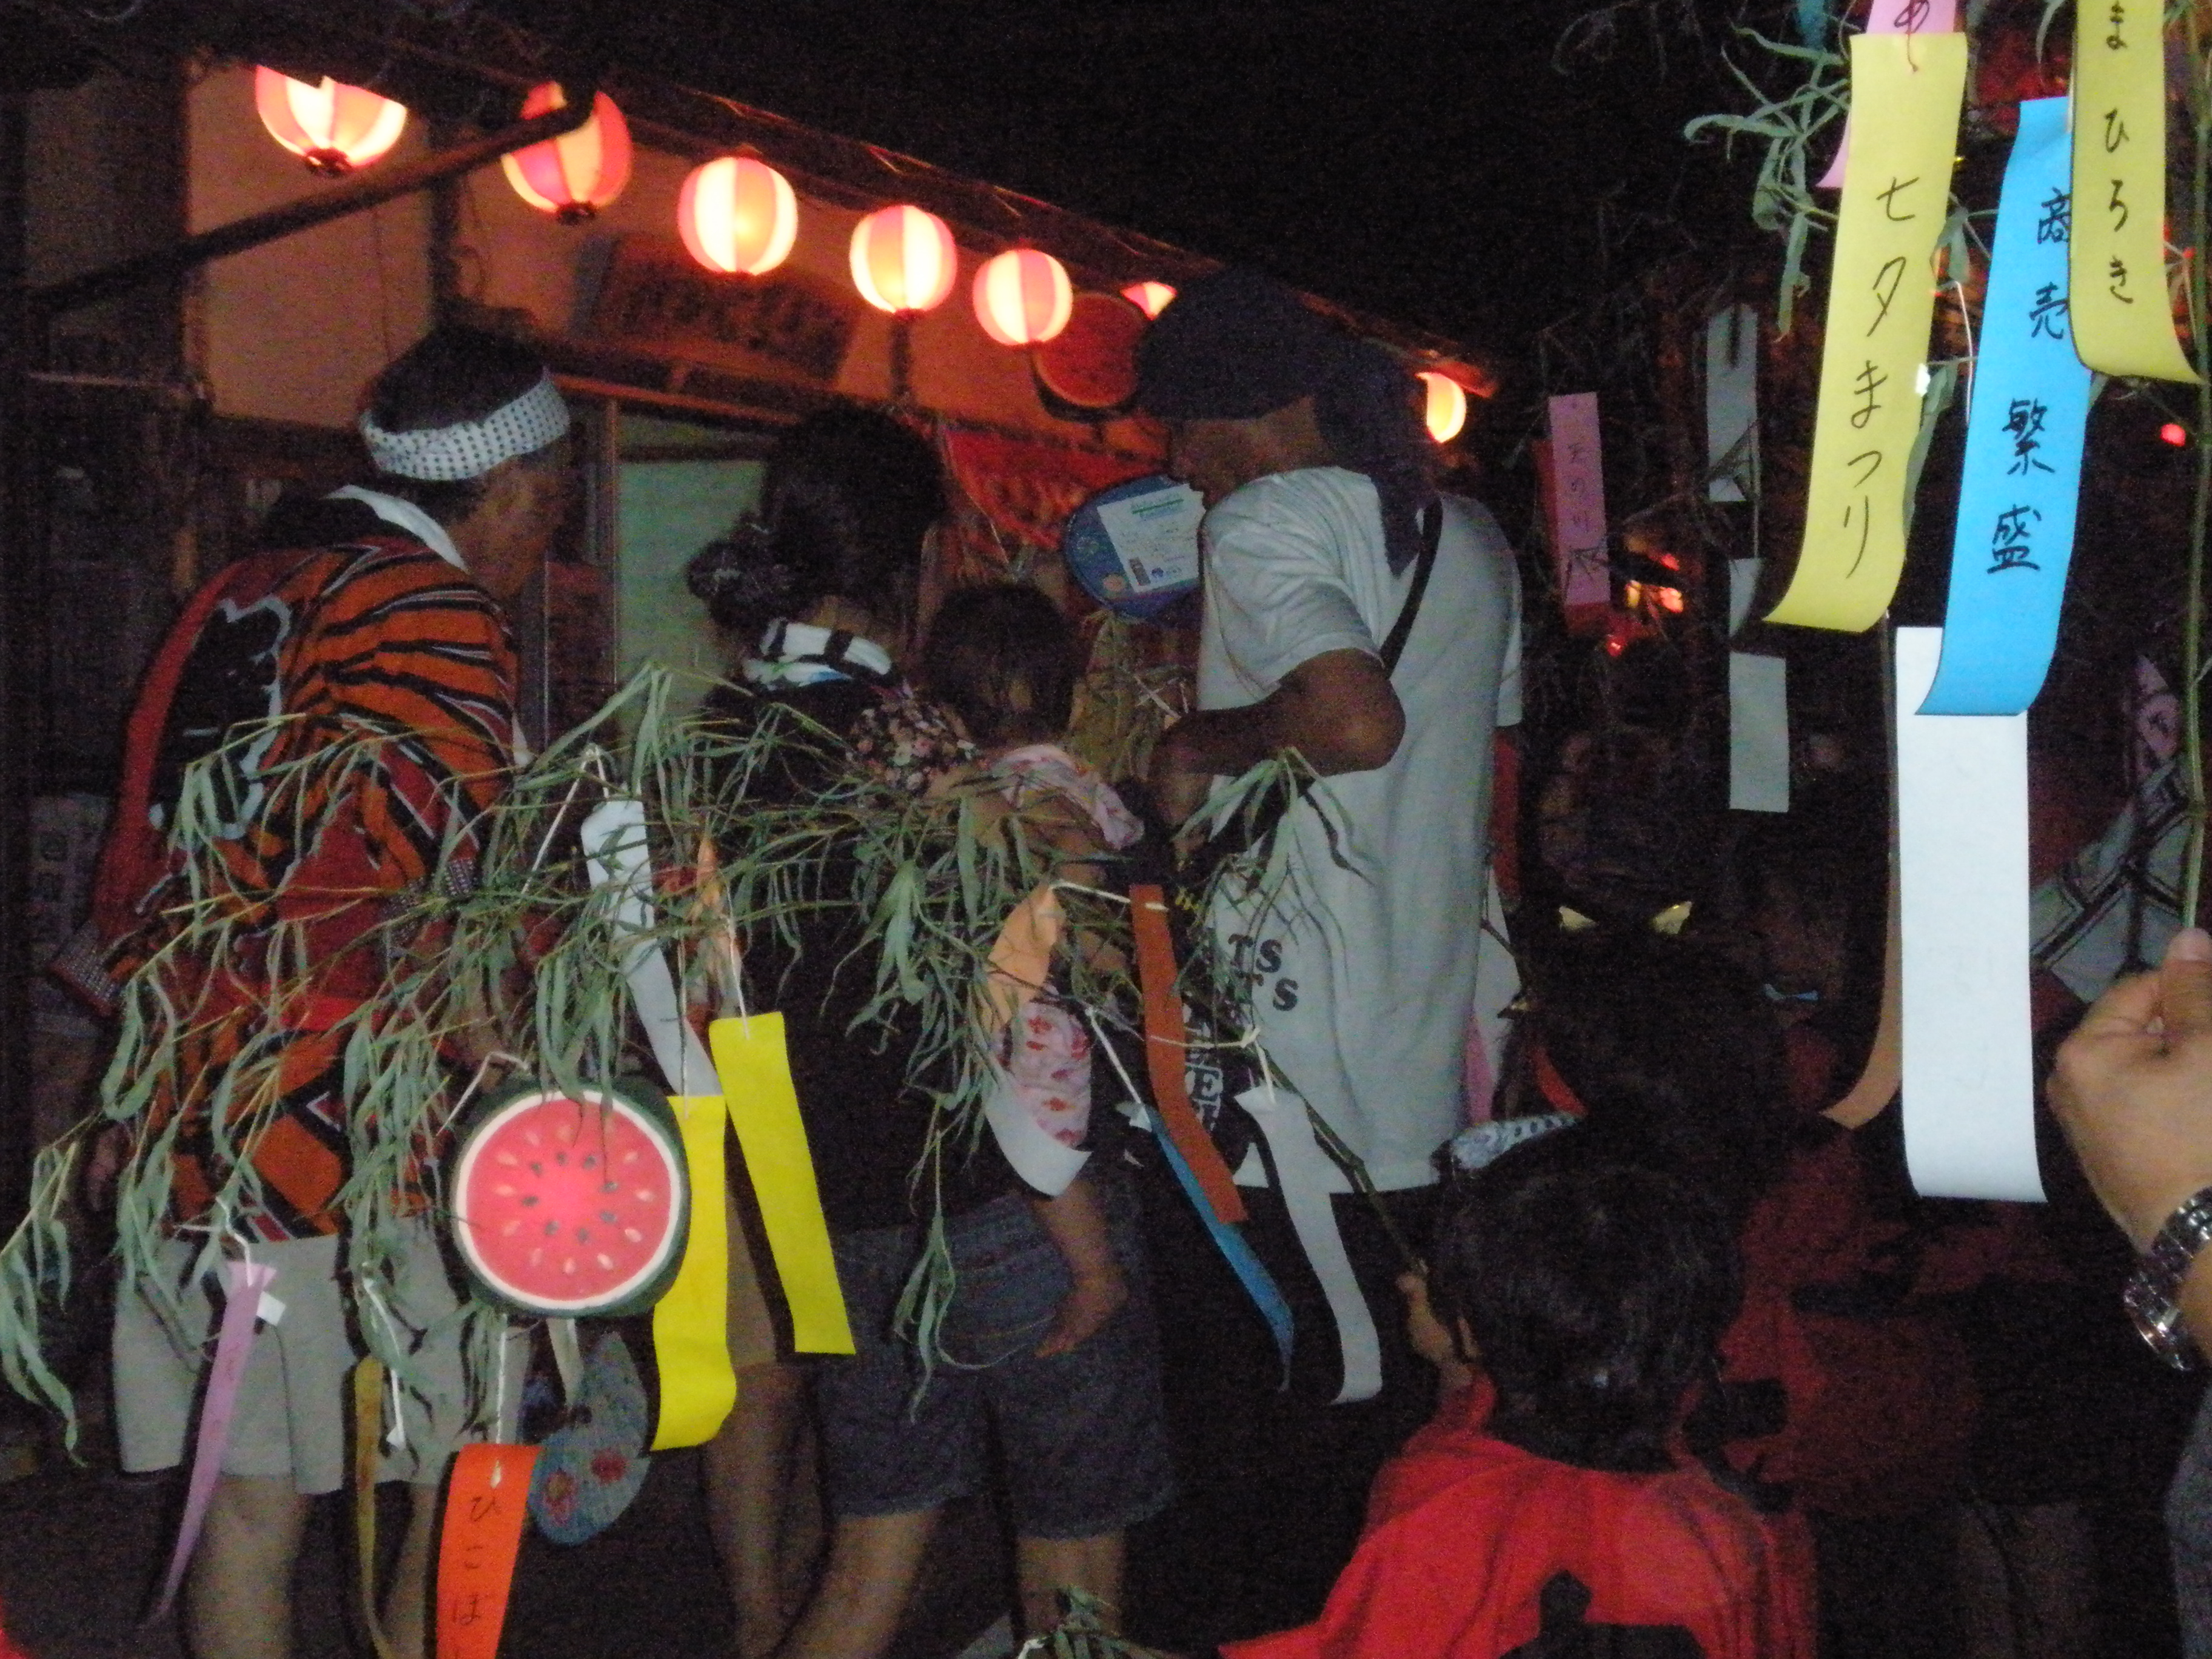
<point x="910" y="742"/>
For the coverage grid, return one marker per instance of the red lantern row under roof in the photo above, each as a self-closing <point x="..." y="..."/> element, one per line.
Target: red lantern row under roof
<point x="740" y="216"/>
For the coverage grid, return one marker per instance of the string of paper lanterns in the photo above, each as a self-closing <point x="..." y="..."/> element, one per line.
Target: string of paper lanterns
<point x="1443" y="406"/>
<point x="332" y="127"/>
<point x="573" y="176"/>
<point x="1023" y="297"/>
<point x="740" y="216"/>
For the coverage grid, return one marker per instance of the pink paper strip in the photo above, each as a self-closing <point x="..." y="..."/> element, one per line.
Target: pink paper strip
<point x="248" y="1280"/>
<point x="1894" y="17"/>
<point x="1578" y="501"/>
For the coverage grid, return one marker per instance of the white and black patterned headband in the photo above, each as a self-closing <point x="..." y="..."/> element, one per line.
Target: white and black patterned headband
<point x="469" y="449"/>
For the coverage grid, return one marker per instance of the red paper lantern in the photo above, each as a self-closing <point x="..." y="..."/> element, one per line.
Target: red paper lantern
<point x="1151" y="298"/>
<point x="903" y="260"/>
<point x="1445" y="410"/>
<point x="333" y="127"/>
<point x="738" y="216"/>
<point x="573" y="176"/>
<point x="1023" y="297"/>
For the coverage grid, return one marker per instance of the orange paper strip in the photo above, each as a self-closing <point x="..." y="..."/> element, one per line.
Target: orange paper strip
<point x="1166" y="1043"/>
<point x="487" y="1501"/>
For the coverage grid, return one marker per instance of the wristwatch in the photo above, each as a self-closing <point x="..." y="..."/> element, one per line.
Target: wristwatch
<point x="2153" y="1295"/>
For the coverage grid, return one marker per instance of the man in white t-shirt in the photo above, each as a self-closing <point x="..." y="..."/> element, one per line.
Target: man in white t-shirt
<point x="1361" y="955"/>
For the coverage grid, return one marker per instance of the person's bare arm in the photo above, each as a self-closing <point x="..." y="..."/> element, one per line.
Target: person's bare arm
<point x="2133" y="1089"/>
<point x="1337" y="710"/>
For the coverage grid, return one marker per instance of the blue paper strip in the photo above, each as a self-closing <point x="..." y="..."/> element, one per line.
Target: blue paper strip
<point x="2023" y="470"/>
<point x="1259" y="1284"/>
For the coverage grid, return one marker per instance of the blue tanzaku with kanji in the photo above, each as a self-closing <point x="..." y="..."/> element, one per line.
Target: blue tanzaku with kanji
<point x="2023" y="469"/>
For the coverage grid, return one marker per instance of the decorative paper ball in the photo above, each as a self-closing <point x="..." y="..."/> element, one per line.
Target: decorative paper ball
<point x="333" y="127"/>
<point x="1151" y="298"/>
<point x="573" y="176"/>
<point x="738" y="216"/>
<point x="903" y="260"/>
<point x="1023" y="297"/>
<point x="1446" y="409"/>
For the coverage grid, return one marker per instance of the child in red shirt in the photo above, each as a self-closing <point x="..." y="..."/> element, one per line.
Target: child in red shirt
<point x="1547" y="1505"/>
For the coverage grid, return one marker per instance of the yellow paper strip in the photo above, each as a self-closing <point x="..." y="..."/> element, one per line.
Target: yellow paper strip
<point x="1905" y="91"/>
<point x="2122" y="319"/>
<point x="367" y="1459"/>
<point x="756" y="1071"/>
<point x="690" y="1338"/>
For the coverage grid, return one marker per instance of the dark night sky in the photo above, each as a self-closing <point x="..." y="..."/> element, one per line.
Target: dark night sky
<point x="1422" y="159"/>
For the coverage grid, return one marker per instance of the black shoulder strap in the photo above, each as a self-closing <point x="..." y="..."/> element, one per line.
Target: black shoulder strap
<point x="1433" y="530"/>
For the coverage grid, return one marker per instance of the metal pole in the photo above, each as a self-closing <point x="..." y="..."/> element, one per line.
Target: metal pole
<point x="370" y="190"/>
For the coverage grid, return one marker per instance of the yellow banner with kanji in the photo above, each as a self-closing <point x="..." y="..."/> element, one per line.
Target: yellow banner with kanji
<point x="1905" y="93"/>
<point x="2123" y="319"/>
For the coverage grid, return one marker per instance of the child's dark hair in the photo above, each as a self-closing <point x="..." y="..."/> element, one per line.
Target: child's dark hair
<point x="1596" y="1292"/>
<point x="1674" y="1055"/>
<point x="848" y="498"/>
<point x="1002" y="657"/>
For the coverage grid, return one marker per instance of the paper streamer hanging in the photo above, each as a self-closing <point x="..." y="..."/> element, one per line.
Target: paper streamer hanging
<point x="1759" y="733"/>
<point x="690" y="1322"/>
<point x="243" y="1292"/>
<point x="1021" y="966"/>
<point x="1882" y="301"/>
<point x="2023" y="468"/>
<point x="1731" y="402"/>
<point x="1575" y="501"/>
<point x="1496" y="988"/>
<point x="1167" y="1047"/>
<point x="1894" y="17"/>
<point x="367" y="1426"/>
<point x="614" y="837"/>
<point x="2122" y="319"/>
<point x="1303" y="1175"/>
<point x="691" y="1355"/>
<point x="487" y="1501"/>
<point x="763" y="1102"/>
<point x="1969" y="1077"/>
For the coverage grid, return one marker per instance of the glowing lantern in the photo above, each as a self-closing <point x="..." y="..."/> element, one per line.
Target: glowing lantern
<point x="903" y="261"/>
<point x="2173" y="433"/>
<point x="1023" y="297"/>
<point x="738" y="216"/>
<point x="1151" y="298"/>
<point x="1446" y="409"/>
<point x="332" y="127"/>
<point x="573" y="176"/>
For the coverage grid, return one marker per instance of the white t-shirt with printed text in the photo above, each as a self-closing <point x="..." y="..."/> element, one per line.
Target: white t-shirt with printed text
<point x="1363" y="975"/>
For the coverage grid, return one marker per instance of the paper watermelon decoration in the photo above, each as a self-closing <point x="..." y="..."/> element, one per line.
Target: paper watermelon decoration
<point x="572" y="1206"/>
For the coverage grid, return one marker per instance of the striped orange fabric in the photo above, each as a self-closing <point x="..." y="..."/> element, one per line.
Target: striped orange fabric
<point x="360" y="701"/>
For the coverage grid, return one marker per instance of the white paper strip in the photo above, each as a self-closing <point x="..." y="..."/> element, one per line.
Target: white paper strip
<point x="1731" y="401"/>
<point x="615" y="842"/>
<point x="1045" y="1163"/>
<point x="1962" y="890"/>
<point x="1496" y="987"/>
<point x="1743" y="589"/>
<point x="1759" y="733"/>
<point x="1305" y="1172"/>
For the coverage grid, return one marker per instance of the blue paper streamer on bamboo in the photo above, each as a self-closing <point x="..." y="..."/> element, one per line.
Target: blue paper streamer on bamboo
<point x="2023" y="469"/>
<point x="1251" y="1272"/>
